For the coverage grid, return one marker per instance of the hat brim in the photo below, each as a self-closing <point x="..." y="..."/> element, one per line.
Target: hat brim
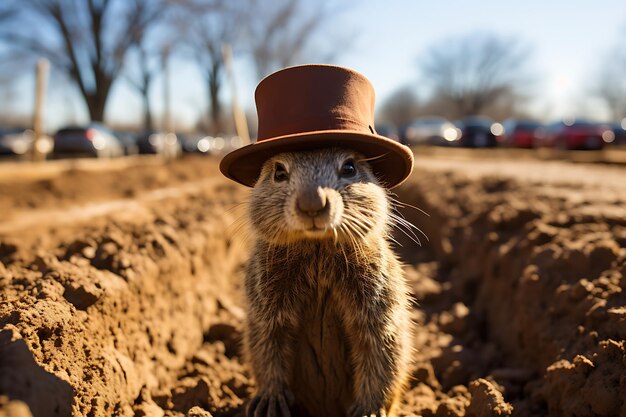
<point x="391" y="161"/>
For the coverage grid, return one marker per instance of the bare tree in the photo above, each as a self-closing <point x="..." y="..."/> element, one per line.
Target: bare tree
<point x="206" y="26"/>
<point x="610" y="80"/>
<point x="401" y="108"/>
<point x="471" y="73"/>
<point x="142" y="79"/>
<point x="143" y="61"/>
<point x="281" y="31"/>
<point x="88" y="40"/>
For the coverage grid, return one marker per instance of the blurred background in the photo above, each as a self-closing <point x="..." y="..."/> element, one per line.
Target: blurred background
<point x="125" y="77"/>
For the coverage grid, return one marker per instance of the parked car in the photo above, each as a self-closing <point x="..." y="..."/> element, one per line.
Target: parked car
<point x="619" y="133"/>
<point x="93" y="140"/>
<point x="521" y="133"/>
<point x="189" y="144"/>
<point x="165" y="144"/>
<point x="431" y="130"/>
<point x="388" y="131"/>
<point x="574" y="134"/>
<point x="15" y="141"/>
<point x="478" y="132"/>
<point x="129" y="142"/>
<point x="197" y="143"/>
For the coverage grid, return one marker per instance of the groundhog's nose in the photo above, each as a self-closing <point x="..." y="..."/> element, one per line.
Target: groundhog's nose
<point x="312" y="202"/>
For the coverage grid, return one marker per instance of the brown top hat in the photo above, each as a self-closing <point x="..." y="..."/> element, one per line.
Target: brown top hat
<point x="315" y="106"/>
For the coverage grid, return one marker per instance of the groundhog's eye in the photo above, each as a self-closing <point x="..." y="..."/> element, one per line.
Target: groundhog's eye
<point x="280" y="173"/>
<point x="348" y="169"/>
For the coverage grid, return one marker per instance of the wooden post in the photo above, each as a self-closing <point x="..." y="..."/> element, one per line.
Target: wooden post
<point x="43" y="67"/>
<point x="241" y="125"/>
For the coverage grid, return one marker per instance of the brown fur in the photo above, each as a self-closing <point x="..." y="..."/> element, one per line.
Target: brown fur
<point x="328" y="328"/>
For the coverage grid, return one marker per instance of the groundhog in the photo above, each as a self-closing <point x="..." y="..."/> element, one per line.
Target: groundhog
<point x="328" y="330"/>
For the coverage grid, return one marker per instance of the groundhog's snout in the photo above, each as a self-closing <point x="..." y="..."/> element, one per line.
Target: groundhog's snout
<point x="313" y="202"/>
<point x="315" y="209"/>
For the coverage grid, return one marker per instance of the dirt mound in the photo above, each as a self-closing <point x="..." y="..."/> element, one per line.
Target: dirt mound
<point x="519" y="299"/>
<point x="542" y="281"/>
<point x="98" y="317"/>
<point x="76" y="185"/>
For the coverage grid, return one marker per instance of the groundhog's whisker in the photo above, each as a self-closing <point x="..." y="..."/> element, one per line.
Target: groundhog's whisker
<point x="349" y="232"/>
<point x="390" y="237"/>
<point x="239" y="224"/>
<point x="412" y="236"/>
<point x="393" y="197"/>
<point x="403" y="225"/>
<point x="354" y="233"/>
<point x="237" y="206"/>
<point x="407" y="228"/>
<point x="357" y="225"/>
<point x="342" y="249"/>
<point x="363" y="223"/>
<point x="398" y="216"/>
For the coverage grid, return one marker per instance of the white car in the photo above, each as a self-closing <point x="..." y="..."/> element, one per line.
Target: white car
<point x="432" y="130"/>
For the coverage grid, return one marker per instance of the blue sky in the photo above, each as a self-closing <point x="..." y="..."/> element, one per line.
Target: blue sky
<point x="567" y="40"/>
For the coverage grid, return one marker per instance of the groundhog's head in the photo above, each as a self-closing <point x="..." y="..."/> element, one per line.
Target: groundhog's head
<point x="322" y="194"/>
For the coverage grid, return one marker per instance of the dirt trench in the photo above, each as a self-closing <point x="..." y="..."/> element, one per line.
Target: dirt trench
<point x="137" y="311"/>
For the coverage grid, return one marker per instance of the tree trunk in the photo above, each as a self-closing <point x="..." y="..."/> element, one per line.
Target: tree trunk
<point x="214" y="100"/>
<point x="147" y="112"/>
<point x="96" y="101"/>
<point x="96" y="108"/>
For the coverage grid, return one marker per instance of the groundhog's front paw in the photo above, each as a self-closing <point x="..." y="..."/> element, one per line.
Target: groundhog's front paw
<point x="270" y="405"/>
<point x="361" y="411"/>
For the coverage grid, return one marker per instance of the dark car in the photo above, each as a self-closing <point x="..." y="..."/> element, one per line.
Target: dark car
<point x="574" y="135"/>
<point x="197" y="143"/>
<point x="521" y="133"/>
<point x="165" y="144"/>
<point x="476" y="132"/>
<point x="190" y="144"/>
<point x="388" y="131"/>
<point x="93" y="140"/>
<point x="619" y="133"/>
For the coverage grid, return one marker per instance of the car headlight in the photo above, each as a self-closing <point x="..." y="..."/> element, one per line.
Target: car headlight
<point x="497" y="129"/>
<point x="99" y="142"/>
<point x="450" y="134"/>
<point x="204" y="145"/>
<point x="154" y="139"/>
<point x="218" y="143"/>
<point x="45" y="144"/>
<point x="235" y="142"/>
<point x="19" y="146"/>
<point x="608" y="136"/>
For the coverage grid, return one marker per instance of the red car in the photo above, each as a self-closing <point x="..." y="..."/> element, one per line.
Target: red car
<point x="574" y="135"/>
<point x="521" y="133"/>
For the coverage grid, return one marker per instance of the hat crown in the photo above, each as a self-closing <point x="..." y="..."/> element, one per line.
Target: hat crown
<point x="317" y="106"/>
<point x="312" y="98"/>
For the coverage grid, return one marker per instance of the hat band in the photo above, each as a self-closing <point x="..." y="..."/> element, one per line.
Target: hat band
<point x="312" y="125"/>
